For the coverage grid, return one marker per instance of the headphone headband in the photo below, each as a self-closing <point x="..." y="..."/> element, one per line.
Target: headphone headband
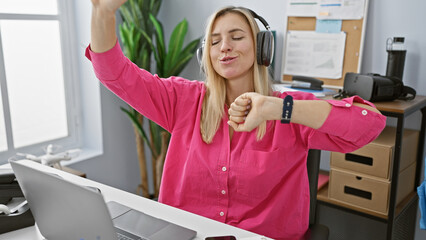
<point x="261" y="19"/>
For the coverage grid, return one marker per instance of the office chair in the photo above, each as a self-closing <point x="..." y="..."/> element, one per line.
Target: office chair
<point x="316" y="231"/>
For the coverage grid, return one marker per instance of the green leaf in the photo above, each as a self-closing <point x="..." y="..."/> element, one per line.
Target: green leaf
<point x="155" y="6"/>
<point x="134" y="42"/>
<point x="133" y="7"/>
<point x="140" y="5"/>
<point x="176" y="42"/>
<point x="176" y="69"/>
<point x="183" y="59"/>
<point x="138" y="15"/>
<point x="125" y="13"/>
<point x="131" y="37"/>
<point x="149" y="41"/>
<point x="159" y="35"/>
<point x="125" y="37"/>
<point x="191" y="47"/>
<point x="144" y="59"/>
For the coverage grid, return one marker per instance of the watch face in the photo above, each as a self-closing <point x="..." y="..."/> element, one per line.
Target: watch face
<point x="287" y="109"/>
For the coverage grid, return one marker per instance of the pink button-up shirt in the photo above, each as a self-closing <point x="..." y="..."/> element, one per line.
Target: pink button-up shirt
<point x="261" y="186"/>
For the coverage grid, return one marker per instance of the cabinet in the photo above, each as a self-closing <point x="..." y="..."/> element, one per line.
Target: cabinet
<point x="401" y="218"/>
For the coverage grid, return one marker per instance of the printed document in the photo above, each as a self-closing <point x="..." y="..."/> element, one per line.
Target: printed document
<point x="341" y="9"/>
<point x="302" y="8"/>
<point x="309" y="53"/>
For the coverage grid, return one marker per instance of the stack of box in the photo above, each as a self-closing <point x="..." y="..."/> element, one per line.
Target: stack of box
<point x="363" y="178"/>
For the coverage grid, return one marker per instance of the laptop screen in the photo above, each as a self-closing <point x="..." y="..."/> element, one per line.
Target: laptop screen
<point x="61" y="209"/>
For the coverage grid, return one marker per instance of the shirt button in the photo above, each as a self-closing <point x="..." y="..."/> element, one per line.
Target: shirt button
<point x="223" y="192"/>
<point x="347" y="105"/>
<point x="224" y="169"/>
<point x="364" y="112"/>
<point x="221" y="214"/>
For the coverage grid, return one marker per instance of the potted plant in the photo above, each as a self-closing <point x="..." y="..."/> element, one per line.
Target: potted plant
<point x="142" y="35"/>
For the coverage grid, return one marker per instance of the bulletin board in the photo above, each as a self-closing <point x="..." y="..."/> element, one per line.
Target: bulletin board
<point x="354" y="30"/>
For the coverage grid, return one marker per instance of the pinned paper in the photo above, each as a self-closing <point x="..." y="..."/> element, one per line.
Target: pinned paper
<point x="328" y="26"/>
<point x="341" y="9"/>
<point x="302" y="8"/>
<point x="315" y="54"/>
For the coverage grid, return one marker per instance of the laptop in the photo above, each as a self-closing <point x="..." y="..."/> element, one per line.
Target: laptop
<point x="67" y="211"/>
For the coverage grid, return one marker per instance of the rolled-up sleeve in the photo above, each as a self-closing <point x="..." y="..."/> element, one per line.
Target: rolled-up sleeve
<point x="348" y="127"/>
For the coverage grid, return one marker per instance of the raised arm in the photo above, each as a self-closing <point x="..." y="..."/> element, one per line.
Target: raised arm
<point x="311" y="113"/>
<point x="103" y="32"/>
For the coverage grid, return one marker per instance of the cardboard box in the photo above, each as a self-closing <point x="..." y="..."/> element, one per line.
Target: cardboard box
<point x="376" y="158"/>
<point x="406" y="182"/>
<point x="369" y="192"/>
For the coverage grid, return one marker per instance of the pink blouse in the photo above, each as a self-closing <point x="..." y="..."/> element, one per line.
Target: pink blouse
<point x="261" y="186"/>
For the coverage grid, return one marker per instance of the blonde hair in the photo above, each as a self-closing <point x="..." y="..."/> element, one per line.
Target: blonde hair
<point x="214" y="100"/>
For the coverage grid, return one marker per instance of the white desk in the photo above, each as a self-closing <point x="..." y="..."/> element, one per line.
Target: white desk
<point x="204" y="226"/>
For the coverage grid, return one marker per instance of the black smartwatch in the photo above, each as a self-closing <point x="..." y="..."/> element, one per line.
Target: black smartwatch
<point x="287" y="109"/>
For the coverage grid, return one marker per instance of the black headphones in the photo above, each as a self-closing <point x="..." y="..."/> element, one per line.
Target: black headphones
<point x="265" y="43"/>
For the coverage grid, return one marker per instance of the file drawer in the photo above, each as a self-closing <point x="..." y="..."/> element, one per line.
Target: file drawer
<point x="376" y="158"/>
<point x="366" y="191"/>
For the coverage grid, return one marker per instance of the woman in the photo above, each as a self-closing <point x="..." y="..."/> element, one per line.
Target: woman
<point x="251" y="175"/>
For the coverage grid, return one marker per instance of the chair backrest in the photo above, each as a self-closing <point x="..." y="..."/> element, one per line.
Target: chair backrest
<point x="313" y="166"/>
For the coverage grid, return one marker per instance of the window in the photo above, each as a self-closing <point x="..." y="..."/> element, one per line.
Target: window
<point x="37" y="77"/>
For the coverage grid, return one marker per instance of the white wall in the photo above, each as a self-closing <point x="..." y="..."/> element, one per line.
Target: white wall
<point x="118" y="164"/>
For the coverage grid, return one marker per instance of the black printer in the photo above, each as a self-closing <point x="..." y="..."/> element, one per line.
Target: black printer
<point x="11" y="195"/>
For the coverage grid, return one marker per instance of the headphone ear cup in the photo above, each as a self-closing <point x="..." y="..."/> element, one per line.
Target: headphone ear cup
<point x="200" y="55"/>
<point x="259" y="48"/>
<point x="265" y="48"/>
<point x="269" y="47"/>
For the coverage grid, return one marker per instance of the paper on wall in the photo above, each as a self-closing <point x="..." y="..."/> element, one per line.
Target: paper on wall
<point x="313" y="54"/>
<point x="328" y="26"/>
<point x="340" y="9"/>
<point x="302" y="8"/>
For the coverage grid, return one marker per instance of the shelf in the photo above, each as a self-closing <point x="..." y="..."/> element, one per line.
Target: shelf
<point x="401" y="106"/>
<point x="323" y="196"/>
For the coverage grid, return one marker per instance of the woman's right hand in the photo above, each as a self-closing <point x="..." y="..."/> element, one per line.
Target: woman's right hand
<point x="103" y="32"/>
<point x="108" y="5"/>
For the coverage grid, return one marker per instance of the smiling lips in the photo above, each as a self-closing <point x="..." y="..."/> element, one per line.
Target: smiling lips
<point x="227" y="59"/>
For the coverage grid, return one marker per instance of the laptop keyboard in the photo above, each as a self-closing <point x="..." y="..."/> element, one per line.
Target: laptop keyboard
<point x="123" y="235"/>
